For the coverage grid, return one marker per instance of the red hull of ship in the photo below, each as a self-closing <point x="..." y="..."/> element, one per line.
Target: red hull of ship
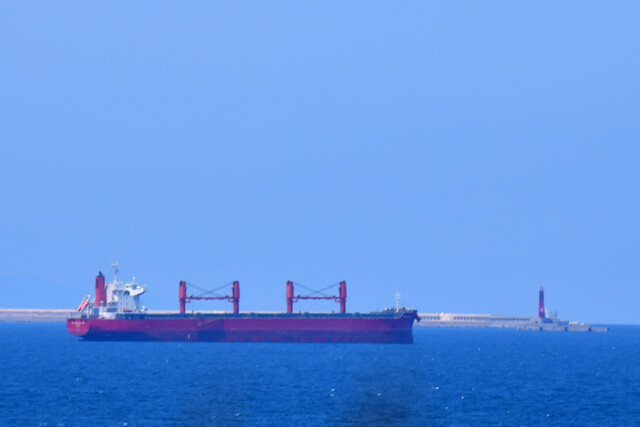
<point x="345" y="329"/>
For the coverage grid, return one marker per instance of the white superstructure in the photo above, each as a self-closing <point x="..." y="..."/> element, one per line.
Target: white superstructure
<point x="120" y="297"/>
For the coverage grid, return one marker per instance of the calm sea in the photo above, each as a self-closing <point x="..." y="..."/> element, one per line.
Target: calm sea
<point x="448" y="377"/>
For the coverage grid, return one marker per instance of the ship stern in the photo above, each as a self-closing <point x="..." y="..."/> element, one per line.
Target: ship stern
<point x="78" y="327"/>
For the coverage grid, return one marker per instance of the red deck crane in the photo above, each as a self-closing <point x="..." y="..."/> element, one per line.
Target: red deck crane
<point x="340" y="298"/>
<point x="233" y="298"/>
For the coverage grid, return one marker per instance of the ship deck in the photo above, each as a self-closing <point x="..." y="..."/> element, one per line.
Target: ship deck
<point x="387" y="314"/>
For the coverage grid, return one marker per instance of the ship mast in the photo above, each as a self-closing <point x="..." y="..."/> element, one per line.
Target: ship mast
<point x="116" y="268"/>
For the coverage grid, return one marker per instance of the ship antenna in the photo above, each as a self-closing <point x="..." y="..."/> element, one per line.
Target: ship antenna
<point x="116" y="268"/>
<point x="398" y="301"/>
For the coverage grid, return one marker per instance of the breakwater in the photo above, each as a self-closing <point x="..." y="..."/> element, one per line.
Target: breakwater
<point x="526" y="323"/>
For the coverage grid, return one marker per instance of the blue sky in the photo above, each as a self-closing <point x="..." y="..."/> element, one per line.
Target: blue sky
<point x="460" y="153"/>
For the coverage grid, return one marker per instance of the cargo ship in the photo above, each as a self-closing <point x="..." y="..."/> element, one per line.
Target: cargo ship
<point x="116" y="314"/>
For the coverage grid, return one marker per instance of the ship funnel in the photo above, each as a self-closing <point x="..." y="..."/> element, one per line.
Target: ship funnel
<point x="101" y="294"/>
<point x="542" y="313"/>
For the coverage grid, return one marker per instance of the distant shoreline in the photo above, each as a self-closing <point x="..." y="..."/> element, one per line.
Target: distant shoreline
<point x="55" y="314"/>
<point x="34" y="314"/>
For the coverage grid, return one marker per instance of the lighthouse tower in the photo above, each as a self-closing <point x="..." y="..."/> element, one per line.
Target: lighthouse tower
<point x="542" y="313"/>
